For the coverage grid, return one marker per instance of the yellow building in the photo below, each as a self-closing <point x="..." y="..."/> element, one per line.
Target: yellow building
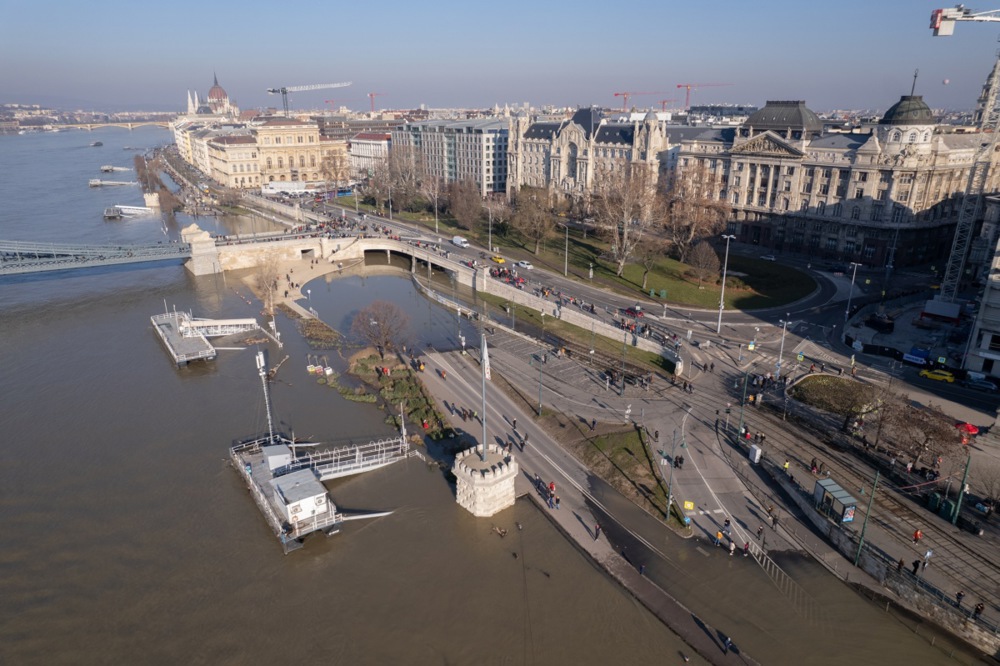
<point x="288" y="149"/>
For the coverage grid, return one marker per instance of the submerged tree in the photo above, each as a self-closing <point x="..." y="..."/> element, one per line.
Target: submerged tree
<point x="381" y="324"/>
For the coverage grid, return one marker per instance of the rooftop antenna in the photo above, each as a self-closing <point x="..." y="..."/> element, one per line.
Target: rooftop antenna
<point x="914" y="86"/>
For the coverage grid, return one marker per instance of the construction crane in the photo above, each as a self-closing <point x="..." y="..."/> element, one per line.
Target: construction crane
<point x="317" y="86"/>
<point x="333" y="103"/>
<point x="663" y="103"/>
<point x="688" y="87"/>
<point x="943" y="24"/>
<point x="372" y="96"/>
<point x="626" y="95"/>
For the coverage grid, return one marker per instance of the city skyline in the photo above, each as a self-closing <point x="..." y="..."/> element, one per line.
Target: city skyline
<point x="860" y="57"/>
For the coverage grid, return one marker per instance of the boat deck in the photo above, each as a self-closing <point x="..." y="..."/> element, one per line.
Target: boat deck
<point x="170" y="327"/>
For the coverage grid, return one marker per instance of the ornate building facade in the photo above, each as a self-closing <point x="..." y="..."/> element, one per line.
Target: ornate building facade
<point x="883" y="197"/>
<point x="570" y="157"/>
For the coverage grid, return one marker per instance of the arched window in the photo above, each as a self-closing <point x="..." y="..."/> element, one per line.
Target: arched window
<point x="897" y="136"/>
<point x="912" y="138"/>
<point x="855" y="212"/>
<point x="927" y="136"/>
<point x="281" y="162"/>
<point x="268" y="162"/>
<point x="821" y="208"/>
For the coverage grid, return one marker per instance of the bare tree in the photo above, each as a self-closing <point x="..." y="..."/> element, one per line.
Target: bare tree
<point x="464" y="203"/>
<point x="926" y="431"/>
<point x="405" y="167"/>
<point x="382" y="324"/>
<point x="704" y="261"/>
<point x="266" y="275"/>
<point x="531" y="215"/>
<point x="498" y="213"/>
<point x="647" y="255"/>
<point x="625" y="206"/>
<point x="693" y="208"/>
<point x="379" y="185"/>
<point x="335" y="167"/>
<point x="433" y="188"/>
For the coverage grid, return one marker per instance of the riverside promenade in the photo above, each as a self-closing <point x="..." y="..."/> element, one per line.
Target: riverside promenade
<point x="667" y="572"/>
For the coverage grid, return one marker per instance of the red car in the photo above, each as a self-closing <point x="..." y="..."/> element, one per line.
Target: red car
<point x="635" y="313"/>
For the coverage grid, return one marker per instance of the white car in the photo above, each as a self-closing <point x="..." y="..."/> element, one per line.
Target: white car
<point x="768" y="257"/>
<point x="524" y="264"/>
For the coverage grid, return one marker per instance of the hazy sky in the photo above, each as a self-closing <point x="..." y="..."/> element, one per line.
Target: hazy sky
<point x="108" y="54"/>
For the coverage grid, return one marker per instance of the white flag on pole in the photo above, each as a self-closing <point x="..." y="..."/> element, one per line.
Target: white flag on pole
<point x="486" y="359"/>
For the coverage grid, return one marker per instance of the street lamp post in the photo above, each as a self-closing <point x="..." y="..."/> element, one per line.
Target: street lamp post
<point x="670" y="480"/>
<point x="624" y="347"/>
<point x="390" y="202"/>
<point x="566" y="253"/>
<point x="489" y="210"/>
<point x="781" y="350"/>
<point x="743" y="403"/>
<point x="722" y="294"/>
<point x="847" y="312"/>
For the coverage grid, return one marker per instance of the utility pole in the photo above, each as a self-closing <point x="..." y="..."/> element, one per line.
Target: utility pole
<point x="781" y="350"/>
<point x="670" y="481"/>
<point x="847" y="312"/>
<point x="566" y="254"/>
<point x="868" y="513"/>
<point x="961" y="491"/>
<point x="624" y="347"/>
<point x="722" y="294"/>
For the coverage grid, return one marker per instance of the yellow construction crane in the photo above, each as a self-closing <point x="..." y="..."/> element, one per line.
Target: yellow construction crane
<point x="943" y="24"/>
<point x="316" y="86"/>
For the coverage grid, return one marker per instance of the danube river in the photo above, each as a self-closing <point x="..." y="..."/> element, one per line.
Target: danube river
<point x="126" y="538"/>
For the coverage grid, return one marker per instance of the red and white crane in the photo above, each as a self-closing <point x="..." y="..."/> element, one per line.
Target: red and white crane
<point x="943" y="24"/>
<point x="284" y="90"/>
<point x="688" y="87"/>
<point x="372" y="96"/>
<point x="626" y="95"/>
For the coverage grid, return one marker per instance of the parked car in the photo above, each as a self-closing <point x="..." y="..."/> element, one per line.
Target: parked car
<point x="768" y="257"/>
<point x="525" y="264"/>
<point x="938" y="375"/>
<point x="980" y="385"/>
<point x="498" y="259"/>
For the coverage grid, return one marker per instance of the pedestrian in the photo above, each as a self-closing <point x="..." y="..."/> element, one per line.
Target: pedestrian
<point x="978" y="610"/>
<point x="916" y="567"/>
<point x="774" y="522"/>
<point x="917" y="536"/>
<point x="726" y="525"/>
<point x="822" y="367"/>
<point x="718" y="538"/>
<point x="958" y="599"/>
<point x="551" y="501"/>
<point x="597" y="531"/>
<point x="900" y="565"/>
<point x="726" y="645"/>
<point x="642" y="569"/>
<point x="557" y="501"/>
<point x="538" y="482"/>
<point x="593" y="424"/>
<point x="711" y="367"/>
<point x="732" y="548"/>
<point x="746" y="549"/>
<point x="786" y="466"/>
<point x="760" y="530"/>
<point x="514" y="424"/>
<point x="927" y="557"/>
<point x="524" y="441"/>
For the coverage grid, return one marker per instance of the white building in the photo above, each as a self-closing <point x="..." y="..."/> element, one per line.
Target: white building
<point x="462" y="150"/>
<point x="367" y="151"/>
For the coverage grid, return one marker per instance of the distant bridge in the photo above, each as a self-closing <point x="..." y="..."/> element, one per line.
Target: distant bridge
<point x="131" y="125"/>
<point x="19" y="257"/>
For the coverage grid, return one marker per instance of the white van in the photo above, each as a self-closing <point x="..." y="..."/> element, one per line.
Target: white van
<point x="459" y="241"/>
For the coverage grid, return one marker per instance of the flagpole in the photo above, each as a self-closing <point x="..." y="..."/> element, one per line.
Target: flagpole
<point x="485" y="368"/>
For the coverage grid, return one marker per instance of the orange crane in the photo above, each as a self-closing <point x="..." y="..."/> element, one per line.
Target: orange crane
<point x="663" y="103"/>
<point x="626" y="95"/>
<point x="372" y="97"/>
<point x="688" y="87"/>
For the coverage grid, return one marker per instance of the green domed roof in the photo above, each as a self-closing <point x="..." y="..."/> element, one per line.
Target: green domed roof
<point x="909" y="110"/>
<point x="780" y="116"/>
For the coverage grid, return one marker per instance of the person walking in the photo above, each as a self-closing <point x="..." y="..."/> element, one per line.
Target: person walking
<point x="746" y="549"/>
<point x="900" y="565"/>
<point x="927" y="557"/>
<point x="760" y="531"/>
<point x="557" y="501"/>
<point x="593" y="424"/>
<point x="917" y="536"/>
<point x="786" y="466"/>
<point x="711" y="367"/>
<point x="597" y="531"/>
<point x="524" y="442"/>
<point x="718" y="538"/>
<point x="978" y="610"/>
<point x="958" y="599"/>
<point x="514" y="424"/>
<point x="916" y="567"/>
<point x="732" y="548"/>
<point x="642" y="569"/>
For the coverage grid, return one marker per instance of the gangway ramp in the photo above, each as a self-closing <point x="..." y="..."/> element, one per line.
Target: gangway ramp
<point x="352" y="459"/>
<point x="215" y="328"/>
